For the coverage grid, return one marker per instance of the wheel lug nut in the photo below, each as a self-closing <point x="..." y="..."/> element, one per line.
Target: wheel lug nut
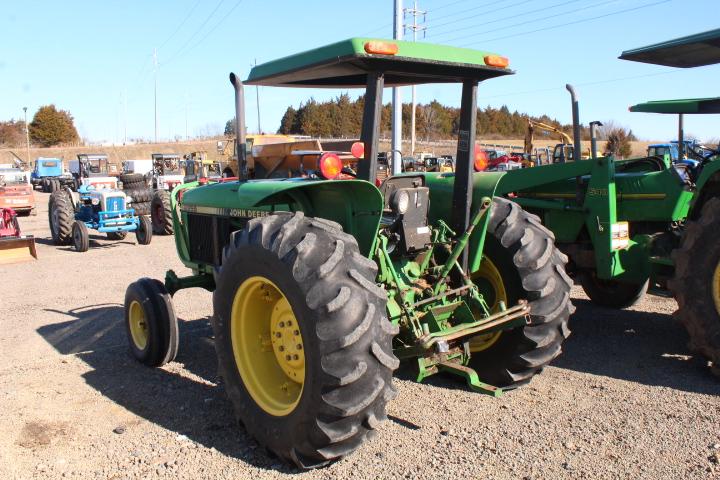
<point x="281" y="348"/>
<point x="282" y="324"/>
<point x="296" y="332"/>
<point x="295" y="357"/>
<point x="289" y="323"/>
<point x="278" y="335"/>
<point x="298" y="347"/>
<point x="288" y="357"/>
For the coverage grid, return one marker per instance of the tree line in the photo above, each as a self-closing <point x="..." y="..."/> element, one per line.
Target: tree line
<point x="341" y="117"/>
<point x="49" y="127"/>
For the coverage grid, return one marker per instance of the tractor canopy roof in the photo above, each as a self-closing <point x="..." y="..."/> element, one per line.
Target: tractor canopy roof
<point x="691" y="51"/>
<point x="346" y="64"/>
<point x="690" y="105"/>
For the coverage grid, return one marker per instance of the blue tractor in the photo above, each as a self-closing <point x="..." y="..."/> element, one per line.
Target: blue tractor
<point x="48" y="173"/>
<point x="73" y="214"/>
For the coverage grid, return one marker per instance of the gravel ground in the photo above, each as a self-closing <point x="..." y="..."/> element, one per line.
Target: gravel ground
<point x="625" y="400"/>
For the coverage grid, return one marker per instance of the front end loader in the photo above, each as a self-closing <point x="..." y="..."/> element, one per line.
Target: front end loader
<point x="323" y="283"/>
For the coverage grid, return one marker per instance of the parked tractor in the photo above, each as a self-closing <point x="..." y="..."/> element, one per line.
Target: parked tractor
<point x="72" y="214"/>
<point x="92" y="169"/>
<point x="16" y="191"/>
<point x="49" y="175"/>
<point x="644" y="224"/>
<point x="322" y="286"/>
<point x="168" y="172"/>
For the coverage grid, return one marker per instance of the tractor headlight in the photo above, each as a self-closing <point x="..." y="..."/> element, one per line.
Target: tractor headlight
<point x="400" y="201"/>
<point x="95" y="201"/>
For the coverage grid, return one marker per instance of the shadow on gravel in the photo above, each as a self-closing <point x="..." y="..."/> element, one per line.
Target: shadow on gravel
<point x="194" y="407"/>
<point x="643" y="347"/>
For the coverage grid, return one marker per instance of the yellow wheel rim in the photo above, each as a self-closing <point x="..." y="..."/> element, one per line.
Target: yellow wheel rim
<point x="267" y="345"/>
<point x="490" y="282"/>
<point x="138" y="325"/>
<point x="716" y="287"/>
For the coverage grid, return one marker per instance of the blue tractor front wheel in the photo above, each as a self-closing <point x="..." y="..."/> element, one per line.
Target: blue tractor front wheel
<point x="80" y="236"/>
<point x="144" y="230"/>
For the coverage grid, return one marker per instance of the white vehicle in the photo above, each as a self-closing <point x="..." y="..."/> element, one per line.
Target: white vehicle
<point x="168" y="171"/>
<point x="138" y="166"/>
<point x="92" y="170"/>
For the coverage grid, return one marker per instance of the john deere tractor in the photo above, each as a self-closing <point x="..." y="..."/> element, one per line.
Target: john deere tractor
<point x="322" y="284"/>
<point x="642" y="224"/>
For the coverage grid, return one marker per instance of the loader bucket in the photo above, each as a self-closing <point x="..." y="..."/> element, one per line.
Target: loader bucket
<point x="17" y="249"/>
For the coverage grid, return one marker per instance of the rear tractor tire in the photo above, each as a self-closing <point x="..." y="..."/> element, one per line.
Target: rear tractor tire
<point x="696" y="285"/>
<point x="144" y="233"/>
<point x="161" y="213"/>
<point x="150" y="323"/>
<point x="302" y="337"/>
<point x="80" y="236"/>
<point x="521" y="261"/>
<point x="61" y="215"/>
<point x="612" y="293"/>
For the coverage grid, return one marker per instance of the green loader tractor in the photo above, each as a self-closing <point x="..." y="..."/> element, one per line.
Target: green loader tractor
<point x="322" y="284"/>
<point x="643" y="224"/>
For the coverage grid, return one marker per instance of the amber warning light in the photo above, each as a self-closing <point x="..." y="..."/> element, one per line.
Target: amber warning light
<point x="496" y="61"/>
<point x="381" y="48"/>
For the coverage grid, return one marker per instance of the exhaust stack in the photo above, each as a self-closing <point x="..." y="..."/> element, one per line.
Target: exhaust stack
<point x="240" y="145"/>
<point x="576" y="123"/>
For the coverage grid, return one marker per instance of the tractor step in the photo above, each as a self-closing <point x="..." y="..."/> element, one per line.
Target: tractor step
<point x="471" y="377"/>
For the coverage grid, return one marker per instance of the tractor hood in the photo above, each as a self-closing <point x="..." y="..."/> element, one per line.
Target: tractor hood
<point x="355" y="204"/>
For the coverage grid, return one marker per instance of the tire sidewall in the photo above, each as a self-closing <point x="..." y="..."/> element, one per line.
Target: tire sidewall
<point x="252" y="261"/>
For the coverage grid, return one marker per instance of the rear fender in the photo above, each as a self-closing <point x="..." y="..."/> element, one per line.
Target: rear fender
<point x="441" y="189"/>
<point x="708" y="186"/>
<point x="356" y="205"/>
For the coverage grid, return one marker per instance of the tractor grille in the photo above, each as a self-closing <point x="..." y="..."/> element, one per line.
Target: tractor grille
<point x="208" y="236"/>
<point x="114" y="204"/>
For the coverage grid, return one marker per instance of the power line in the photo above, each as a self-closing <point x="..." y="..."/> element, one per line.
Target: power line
<point x="570" y="23"/>
<point x="190" y="39"/>
<point x="209" y="32"/>
<point x="586" y="84"/>
<point x="476" y="7"/>
<point x="454" y="30"/>
<point x="181" y="25"/>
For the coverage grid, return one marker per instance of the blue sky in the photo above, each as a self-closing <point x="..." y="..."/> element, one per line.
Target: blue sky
<point x="86" y="56"/>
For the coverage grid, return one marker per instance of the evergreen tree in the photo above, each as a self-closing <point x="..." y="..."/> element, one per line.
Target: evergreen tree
<point x="51" y="127"/>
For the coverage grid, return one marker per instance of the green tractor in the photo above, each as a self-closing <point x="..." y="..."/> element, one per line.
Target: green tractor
<point x="643" y="224"/>
<point x="322" y="284"/>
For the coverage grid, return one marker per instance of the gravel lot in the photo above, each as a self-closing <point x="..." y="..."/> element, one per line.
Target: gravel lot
<point x="625" y="400"/>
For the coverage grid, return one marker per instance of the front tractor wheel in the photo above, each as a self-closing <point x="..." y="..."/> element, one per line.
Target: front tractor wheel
<point x="302" y="338"/>
<point x="80" y="236"/>
<point x="144" y="233"/>
<point x="696" y="285"/>
<point x="150" y="323"/>
<point x="612" y="293"/>
<point x="520" y="261"/>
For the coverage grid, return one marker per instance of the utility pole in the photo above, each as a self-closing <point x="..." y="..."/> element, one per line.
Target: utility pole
<point x="125" y="117"/>
<point x="396" y="145"/>
<point x="257" y="96"/>
<point x="186" y="116"/>
<point x="27" y="136"/>
<point x="155" y="65"/>
<point x="414" y="27"/>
